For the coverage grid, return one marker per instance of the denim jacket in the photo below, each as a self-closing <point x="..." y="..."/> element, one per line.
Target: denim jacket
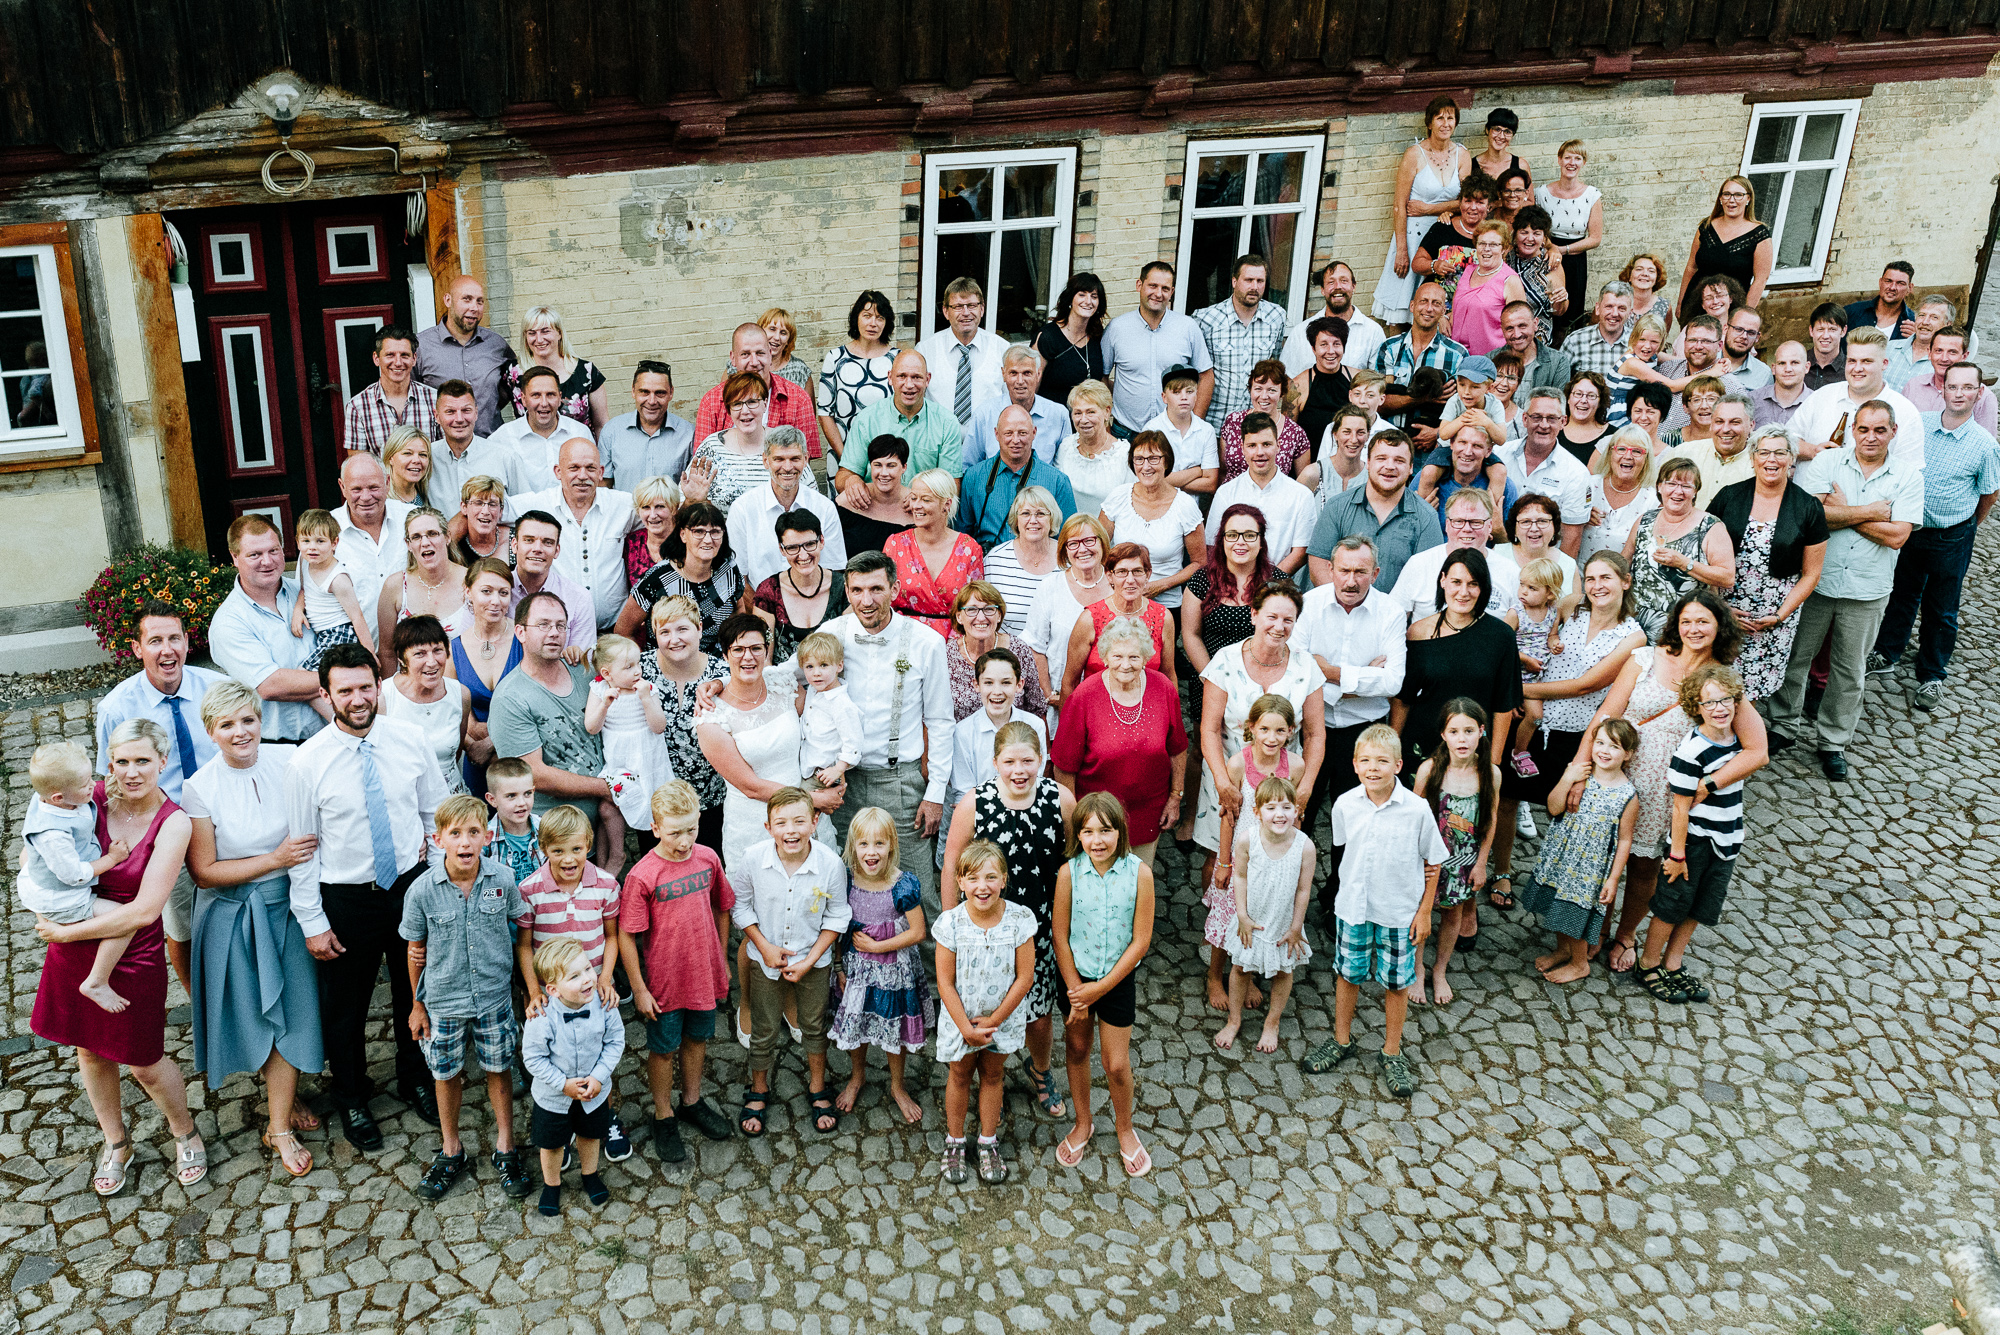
<point x="468" y="940"/>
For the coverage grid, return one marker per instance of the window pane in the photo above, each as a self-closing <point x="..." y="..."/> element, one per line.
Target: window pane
<point x="17" y="284"/>
<point x="21" y="346"/>
<point x="965" y="194"/>
<point x="1022" y="302"/>
<point x="1031" y="191"/>
<point x="1279" y="177"/>
<point x="246" y="366"/>
<point x="359" y="343"/>
<point x="1219" y="181"/>
<point x="1767" y="189"/>
<point x="232" y="257"/>
<point x="353" y="250"/>
<point x="1821" y="139"/>
<point x="31" y="401"/>
<point x="963" y="255"/>
<point x="1774" y="139"/>
<point x="1209" y="256"/>
<point x="1273" y="236"/>
<point x="1802" y="210"/>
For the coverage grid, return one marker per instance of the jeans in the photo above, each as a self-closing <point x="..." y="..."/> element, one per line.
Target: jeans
<point x="1852" y="623"/>
<point x="1930" y="575"/>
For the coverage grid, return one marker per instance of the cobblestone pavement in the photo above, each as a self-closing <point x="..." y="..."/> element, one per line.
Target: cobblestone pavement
<point x="1788" y="1158"/>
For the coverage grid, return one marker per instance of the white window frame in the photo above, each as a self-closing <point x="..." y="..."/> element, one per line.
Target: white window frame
<point x="65" y="439"/>
<point x="1849" y="109"/>
<point x="1307" y="207"/>
<point x="266" y="424"/>
<point x="333" y="265"/>
<point x="374" y="324"/>
<point x="1064" y="158"/>
<point x="249" y="274"/>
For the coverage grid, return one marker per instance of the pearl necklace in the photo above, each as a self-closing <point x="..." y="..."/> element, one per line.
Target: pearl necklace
<point x="1093" y="584"/>
<point x="1138" y="711"/>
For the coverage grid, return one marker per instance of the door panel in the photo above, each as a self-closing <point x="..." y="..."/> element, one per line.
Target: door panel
<point x="289" y="298"/>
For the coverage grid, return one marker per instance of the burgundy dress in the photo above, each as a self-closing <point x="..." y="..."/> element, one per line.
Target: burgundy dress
<point x="137" y="1035"/>
<point x="1126" y="757"/>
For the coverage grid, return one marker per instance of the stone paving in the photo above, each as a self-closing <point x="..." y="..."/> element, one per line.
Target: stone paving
<point x="1789" y="1158"/>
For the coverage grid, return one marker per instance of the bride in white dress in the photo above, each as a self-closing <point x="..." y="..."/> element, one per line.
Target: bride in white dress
<point x="751" y="737"/>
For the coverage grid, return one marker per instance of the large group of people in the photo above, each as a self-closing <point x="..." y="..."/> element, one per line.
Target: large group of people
<point x="899" y="672"/>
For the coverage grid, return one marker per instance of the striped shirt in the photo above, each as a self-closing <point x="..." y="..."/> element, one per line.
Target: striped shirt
<point x="582" y="913"/>
<point x="1717" y="818"/>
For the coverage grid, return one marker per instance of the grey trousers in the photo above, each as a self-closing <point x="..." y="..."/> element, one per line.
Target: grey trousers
<point x="1854" y="622"/>
<point x="898" y="791"/>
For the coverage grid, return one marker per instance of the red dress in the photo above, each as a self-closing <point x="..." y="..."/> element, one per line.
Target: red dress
<point x="923" y="596"/>
<point x="1101" y="615"/>
<point x="137" y="1035"/>
<point x="1110" y="749"/>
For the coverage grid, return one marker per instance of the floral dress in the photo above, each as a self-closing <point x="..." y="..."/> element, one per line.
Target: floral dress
<point x="887" y="1001"/>
<point x="983" y="973"/>
<point x="1655" y="711"/>
<point x="924" y="596"/>
<point x="1032" y="841"/>
<point x="677" y="701"/>
<point x="1655" y="586"/>
<point x="1576" y="857"/>
<point x="1458" y="822"/>
<point x="1759" y="594"/>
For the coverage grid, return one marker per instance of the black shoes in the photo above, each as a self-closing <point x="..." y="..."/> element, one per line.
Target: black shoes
<point x="515" y="1179"/>
<point x="667" y="1140"/>
<point x="441" y="1176"/>
<point x="423" y="1101"/>
<point x="1814" y="694"/>
<point x="1778" y="741"/>
<point x="617" y="1145"/>
<point x="1833" y="765"/>
<point x="360" y="1129"/>
<point x="705" y="1120"/>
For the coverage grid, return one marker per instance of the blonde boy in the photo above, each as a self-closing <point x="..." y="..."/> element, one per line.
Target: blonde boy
<point x="1388" y="882"/>
<point x="830" y="727"/>
<point x="571" y="1046"/>
<point x="327" y="601"/>
<point x="62" y="860"/>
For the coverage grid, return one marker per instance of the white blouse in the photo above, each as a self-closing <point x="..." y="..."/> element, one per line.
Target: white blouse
<point x="1569" y="219"/>
<point x="1093" y="479"/>
<point x="252" y="802"/>
<point x="1052" y="617"/>
<point x="1165" y="538"/>
<point x="440" y="721"/>
<point x="1611" y="534"/>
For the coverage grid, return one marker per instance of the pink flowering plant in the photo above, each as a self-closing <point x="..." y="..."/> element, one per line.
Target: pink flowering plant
<point x="191" y="581"/>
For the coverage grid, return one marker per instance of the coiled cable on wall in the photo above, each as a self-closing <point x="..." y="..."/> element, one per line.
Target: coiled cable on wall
<point x="272" y="184"/>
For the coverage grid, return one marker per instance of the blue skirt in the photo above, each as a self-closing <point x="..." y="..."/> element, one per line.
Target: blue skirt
<point x="255" y="985"/>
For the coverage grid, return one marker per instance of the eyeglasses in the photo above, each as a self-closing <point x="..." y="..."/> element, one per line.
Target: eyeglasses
<point x="1726" y="702"/>
<point x="1079" y="544"/>
<point x="702" y="534"/>
<point x="1735" y="194"/>
<point x="746" y="650"/>
<point x="979" y="611"/>
<point x="548" y="625"/>
<point x="1241" y="535"/>
<point x="1477" y="521"/>
<point x="1678" y="484"/>
<point x="799" y="548"/>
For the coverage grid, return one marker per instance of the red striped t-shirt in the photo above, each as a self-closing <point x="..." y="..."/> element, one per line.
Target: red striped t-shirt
<point x="553" y="911"/>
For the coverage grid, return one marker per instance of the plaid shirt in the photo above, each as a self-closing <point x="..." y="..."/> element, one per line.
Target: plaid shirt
<point x="1589" y="351"/>
<point x="1396" y="361"/>
<point x="789" y="405"/>
<point x="371" y="421"/>
<point x="1235" y="347"/>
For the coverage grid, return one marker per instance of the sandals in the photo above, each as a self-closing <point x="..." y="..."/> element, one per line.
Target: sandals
<point x="820" y="1104"/>
<point x="1068" y="1157"/>
<point x="303" y="1118"/>
<point x="1499" y="899"/>
<point x="1657" y="984"/>
<point x="190" y="1161"/>
<point x="756" y="1108"/>
<point x="1137" y="1164"/>
<point x="1686" y="986"/>
<point x="112" y="1172"/>
<point x="270" y="1140"/>
<point x="1619" y="943"/>
<point x="1044" y="1084"/>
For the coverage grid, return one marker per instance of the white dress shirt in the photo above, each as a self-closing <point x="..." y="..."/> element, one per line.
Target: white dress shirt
<point x="972" y="761"/>
<point x="753" y="537"/>
<point x="450" y="472"/>
<point x="593" y="548"/>
<point x="324" y="798"/>
<point x="137" y="697"/>
<point x="927" y="705"/>
<point x="1197" y="447"/>
<point x="1364" y="340"/>
<point x="1290" y="512"/>
<point x="530" y="456"/>
<point x="370" y="561"/>
<point x="791" y="908"/>
<point x="1385" y="851"/>
<point x="1350" y="642"/>
<point x="1561" y="477"/>
<point x="940" y="354"/>
<point x="1823" y="409"/>
<point x="1415" y="591"/>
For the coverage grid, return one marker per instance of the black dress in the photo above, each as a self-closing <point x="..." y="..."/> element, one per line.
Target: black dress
<point x="1581" y="450"/>
<point x="786" y="637"/>
<point x="1734" y="259"/>
<point x="1064" y="364"/>
<point x="1325" y="395"/>
<point x="1222" y="624"/>
<point x="1480" y="663"/>
<point x="864" y="534"/>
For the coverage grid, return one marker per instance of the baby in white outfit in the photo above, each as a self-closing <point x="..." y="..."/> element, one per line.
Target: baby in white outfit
<point x="830" y="738"/>
<point x="63" y="860"/>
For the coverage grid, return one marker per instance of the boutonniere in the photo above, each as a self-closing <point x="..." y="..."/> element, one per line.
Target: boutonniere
<point x="816" y="898"/>
<point x="903" y="665"/>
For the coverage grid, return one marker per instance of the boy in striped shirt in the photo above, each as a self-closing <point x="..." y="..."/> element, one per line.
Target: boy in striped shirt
<point x="570" y="897"/>
<point x="1707" y="826"/>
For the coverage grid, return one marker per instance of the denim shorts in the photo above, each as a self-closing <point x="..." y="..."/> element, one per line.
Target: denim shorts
<point x="495" y="1039"/>
<point x="1367" y="950"/>
<point x="665" y="1034"/>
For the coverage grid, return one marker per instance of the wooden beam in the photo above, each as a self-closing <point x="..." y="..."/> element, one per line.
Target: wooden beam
<point x="441" y="241"/>
<point x="146" y="237"/>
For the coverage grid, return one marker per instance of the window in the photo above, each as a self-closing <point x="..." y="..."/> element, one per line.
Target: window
<point x="1796" y="159"/>
<point x="43" y="418"/>
<point x="1004" y="218"/>
<point x="1248" y="196"/>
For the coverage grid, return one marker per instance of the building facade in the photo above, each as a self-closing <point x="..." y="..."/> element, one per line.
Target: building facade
<point x="197" y="310"/>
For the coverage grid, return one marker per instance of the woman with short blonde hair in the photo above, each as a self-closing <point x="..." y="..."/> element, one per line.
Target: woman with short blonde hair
<point x="933" y="561"/>
<point x="584" y="398"/>
<point x="406" y="458"/>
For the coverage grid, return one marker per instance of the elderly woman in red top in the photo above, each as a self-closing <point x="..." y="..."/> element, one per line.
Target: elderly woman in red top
<point x="1131" y="571"/>
<point x="933" y="561"/>
<point x="1121" y="733"/>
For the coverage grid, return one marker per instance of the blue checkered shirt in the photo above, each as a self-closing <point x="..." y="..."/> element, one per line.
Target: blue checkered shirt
<point x="1235" y="347"/>
<point x="1961" y="464"/>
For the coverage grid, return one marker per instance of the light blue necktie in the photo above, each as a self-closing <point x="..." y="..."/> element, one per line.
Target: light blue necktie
<point x="183" y="739"/>
<point x="378" y="818"/>
<point x="962" y="392"/>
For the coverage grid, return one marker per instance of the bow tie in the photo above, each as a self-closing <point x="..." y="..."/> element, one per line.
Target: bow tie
<point x="567" y="1016"/>
<point x="871" y="639"/>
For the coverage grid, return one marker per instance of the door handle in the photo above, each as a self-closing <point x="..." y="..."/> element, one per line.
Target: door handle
<point x="316" y="378"/>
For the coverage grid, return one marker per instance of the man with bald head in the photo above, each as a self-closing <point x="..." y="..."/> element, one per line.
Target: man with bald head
<point x="459" y="347"/>
<point x="1774" y="401"/>
<point x="927" y="427"/>
<point x="1021" y="373"/>
<point x="371" y="529"/>
<point x="987" y="491"/>
<point x="594" y="520"/>
<point x="788" y="404"/>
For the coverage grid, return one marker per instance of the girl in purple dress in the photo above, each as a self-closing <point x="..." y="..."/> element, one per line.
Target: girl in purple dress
<point x="881" y="998"/>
